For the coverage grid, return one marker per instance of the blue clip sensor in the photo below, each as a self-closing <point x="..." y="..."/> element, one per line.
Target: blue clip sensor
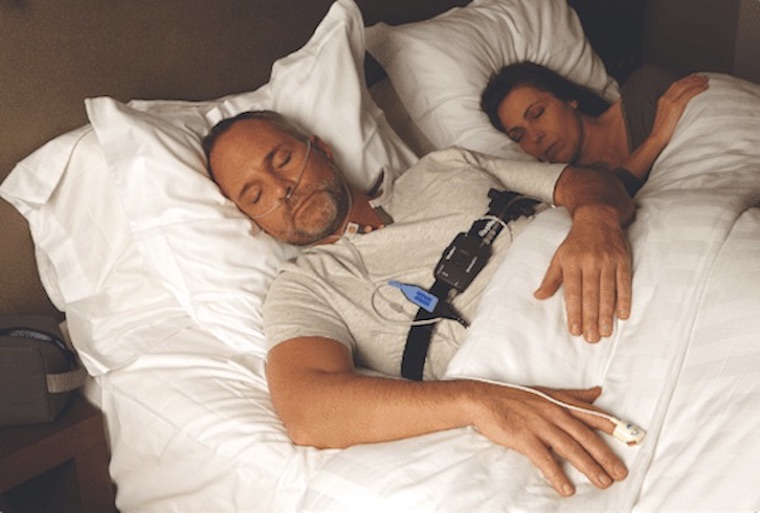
<point x="417" y="295"/>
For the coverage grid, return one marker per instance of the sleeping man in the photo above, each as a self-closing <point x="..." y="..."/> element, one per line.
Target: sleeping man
<point x="343" y="304"/>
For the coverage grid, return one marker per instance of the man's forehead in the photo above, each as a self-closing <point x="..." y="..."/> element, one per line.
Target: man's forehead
<point x="250" y="136"/>
<point x="253" y="128"/>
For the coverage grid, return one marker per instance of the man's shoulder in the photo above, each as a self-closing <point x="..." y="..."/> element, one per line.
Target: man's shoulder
<point x="451" y="157"/>
<point x="452" y="153"/>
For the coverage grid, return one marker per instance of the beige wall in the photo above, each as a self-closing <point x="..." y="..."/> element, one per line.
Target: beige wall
<point x="704" y="35"/>
<point x="747" y="53"/>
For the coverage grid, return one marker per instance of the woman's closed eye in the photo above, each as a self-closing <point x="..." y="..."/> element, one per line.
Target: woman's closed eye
<point x="532" y="114"/>
<point x="535" y="112"/>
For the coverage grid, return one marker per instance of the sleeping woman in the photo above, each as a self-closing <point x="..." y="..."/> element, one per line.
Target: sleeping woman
<point x="557" y="120"/>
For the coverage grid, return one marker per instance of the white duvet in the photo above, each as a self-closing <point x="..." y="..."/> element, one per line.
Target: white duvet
<point x="192" y="427"/>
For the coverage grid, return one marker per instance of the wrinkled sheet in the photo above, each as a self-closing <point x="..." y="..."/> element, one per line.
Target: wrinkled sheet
<point x="192" y="427"/>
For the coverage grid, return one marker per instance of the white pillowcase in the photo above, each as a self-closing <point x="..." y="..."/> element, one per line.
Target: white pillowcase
<point x="321" y="87"/>
<point x="200" y="247"/>
<point x="439" y="67"/>
<point x="135" y="243"/>
<point x="87" y="259"/>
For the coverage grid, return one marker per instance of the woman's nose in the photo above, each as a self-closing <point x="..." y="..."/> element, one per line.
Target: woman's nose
<point x="532" y="141"/>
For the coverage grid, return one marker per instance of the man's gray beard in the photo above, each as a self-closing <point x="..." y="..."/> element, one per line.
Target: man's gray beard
<point x="336" y="211"/>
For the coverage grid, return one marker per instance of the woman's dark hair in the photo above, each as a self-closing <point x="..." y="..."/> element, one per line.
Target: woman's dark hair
<point x="540" y="77"/>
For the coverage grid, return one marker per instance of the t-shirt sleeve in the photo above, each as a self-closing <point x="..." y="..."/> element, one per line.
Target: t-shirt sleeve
<point x="531" y="178"/>
<point x="296" y="307"/>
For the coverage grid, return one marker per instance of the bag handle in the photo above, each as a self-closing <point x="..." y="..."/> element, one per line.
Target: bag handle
<point x="59" y="382"/>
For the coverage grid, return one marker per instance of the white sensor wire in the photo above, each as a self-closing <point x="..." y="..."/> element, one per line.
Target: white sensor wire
<point x="625" y="431"/>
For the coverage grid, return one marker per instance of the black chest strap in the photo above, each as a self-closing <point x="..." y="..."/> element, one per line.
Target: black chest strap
<point x="460" y="263"/>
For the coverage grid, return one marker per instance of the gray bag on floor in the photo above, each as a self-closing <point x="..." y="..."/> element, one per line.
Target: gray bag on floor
<point x="38" y="373"/>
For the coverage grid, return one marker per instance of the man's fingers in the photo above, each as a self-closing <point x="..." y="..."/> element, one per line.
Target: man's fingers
<point x="555" y="277"/>
<point x="591" y="455"/>
<point x="624" y="279"/>
<point x="586" y="395"/>
<point x="538" y="453"/>
<point x="597" y="288"/>
<point x="586" y="451"/>
<point x="591" y="286"/>
<point x="574" y="301"/>
<point x="551" y="282"/>
<point x="607" y="300"/>
<point x="547" y="432"/>
<point x="574" y="442"/>
<point x="602" y="460"/>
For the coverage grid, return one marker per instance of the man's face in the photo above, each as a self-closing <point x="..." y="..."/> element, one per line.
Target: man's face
<point x="258" y="165"/>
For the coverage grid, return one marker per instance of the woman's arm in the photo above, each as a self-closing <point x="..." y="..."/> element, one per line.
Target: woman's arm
<point x="325" y="403"/>
<point x="670" y="108"/>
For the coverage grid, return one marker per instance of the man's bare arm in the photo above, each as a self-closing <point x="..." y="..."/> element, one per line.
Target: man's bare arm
<point x="593" y="262"/>
<point x="325" y="403"/>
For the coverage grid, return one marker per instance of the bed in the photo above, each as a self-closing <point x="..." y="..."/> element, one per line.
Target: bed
<point x="111" y="225"/>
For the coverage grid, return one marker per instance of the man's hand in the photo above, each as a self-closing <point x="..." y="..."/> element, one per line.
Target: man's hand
<point x="534" y="427"/>
<point x="325" y="403"/>
<point x="593" y="262"/>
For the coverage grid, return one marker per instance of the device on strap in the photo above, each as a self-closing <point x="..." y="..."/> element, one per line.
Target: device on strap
<point x="460" y="263"/>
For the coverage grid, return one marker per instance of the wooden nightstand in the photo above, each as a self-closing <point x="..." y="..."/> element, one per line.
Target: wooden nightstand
<point x="58" y="467"/>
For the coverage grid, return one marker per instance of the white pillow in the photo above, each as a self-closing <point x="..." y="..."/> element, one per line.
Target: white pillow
<point x="88" y="262"/>
<point x="200" y="247"/>
<point x="439" y="67"/>
<point x="321" y="87"/>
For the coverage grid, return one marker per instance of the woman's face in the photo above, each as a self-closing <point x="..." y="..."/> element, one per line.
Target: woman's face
<point x="544" y="126"/>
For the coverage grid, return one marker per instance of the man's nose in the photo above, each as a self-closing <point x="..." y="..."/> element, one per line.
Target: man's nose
<point x="283" y="187"/>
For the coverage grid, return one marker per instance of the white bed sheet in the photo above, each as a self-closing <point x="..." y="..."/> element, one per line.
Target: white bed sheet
<point x="192" y="427"/>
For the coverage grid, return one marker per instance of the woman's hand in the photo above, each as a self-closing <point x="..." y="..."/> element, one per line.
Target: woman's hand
<point x="671" y="106"/>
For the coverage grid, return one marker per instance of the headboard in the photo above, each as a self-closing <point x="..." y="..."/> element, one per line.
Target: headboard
<point x="55" y="54"/>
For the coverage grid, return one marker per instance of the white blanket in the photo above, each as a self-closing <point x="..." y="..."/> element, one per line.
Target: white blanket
<point x="193" y="429"/>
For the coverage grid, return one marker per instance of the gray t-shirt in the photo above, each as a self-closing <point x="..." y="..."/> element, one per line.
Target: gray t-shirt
<point x="341" y="291"/>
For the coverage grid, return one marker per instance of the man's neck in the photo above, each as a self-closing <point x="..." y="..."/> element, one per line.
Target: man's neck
<point x="361" y="217"/>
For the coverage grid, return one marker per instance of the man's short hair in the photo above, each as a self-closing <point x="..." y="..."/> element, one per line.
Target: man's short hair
<point x="270" y="116"/>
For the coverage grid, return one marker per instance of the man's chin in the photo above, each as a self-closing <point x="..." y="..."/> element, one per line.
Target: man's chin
<point x="322" y="215"/>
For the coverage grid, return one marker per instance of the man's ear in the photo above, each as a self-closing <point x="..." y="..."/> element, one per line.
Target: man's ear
<point x="323" y="147"/>
<point x="574" y="104"/>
